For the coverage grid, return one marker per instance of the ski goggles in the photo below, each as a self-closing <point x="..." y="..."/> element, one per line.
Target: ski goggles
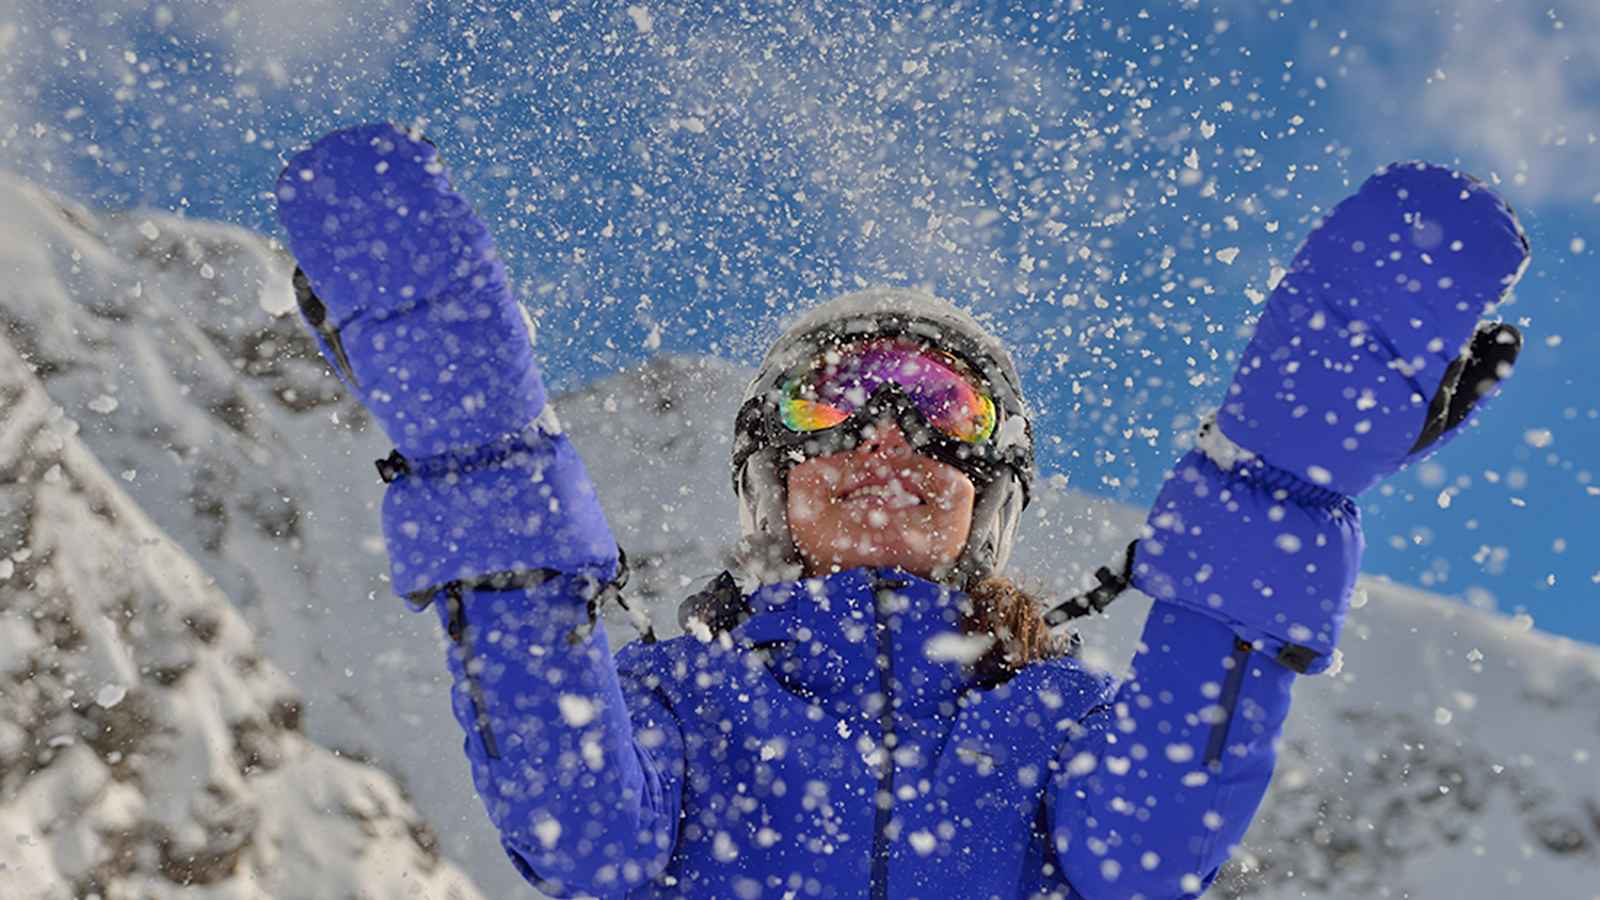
<point x="825" y="398"/>
<point x="841" y="380"/>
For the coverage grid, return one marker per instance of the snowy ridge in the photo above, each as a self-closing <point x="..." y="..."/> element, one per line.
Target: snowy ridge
<point x="147" y="749"/>
<point x="1453" y="756"/>
<point x="149" y="333"/>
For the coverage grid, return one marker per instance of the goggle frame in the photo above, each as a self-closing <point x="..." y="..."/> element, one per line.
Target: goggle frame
<point x="759" y="424"/>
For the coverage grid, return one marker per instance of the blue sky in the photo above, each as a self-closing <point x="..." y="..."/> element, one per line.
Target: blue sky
<point x="665" y="177"/>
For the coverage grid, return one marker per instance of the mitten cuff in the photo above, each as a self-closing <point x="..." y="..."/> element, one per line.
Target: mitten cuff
<point x="521" y="504"/>
<point x="1273" y="556"/>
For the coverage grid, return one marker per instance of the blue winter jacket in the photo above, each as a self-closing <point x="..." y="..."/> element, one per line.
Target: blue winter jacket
<point x="820" y="750"/>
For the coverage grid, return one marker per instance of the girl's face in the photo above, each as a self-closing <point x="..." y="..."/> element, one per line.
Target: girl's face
<point x="880" y="504"/>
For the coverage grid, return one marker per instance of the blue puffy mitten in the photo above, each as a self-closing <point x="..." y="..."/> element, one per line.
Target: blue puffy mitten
<point x="1369" y="356"/>
<point x="402" y="286"/>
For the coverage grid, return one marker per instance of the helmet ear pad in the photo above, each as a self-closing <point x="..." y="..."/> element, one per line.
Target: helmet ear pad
<point x="995" y="516"/>
<point x="766" y="553"/>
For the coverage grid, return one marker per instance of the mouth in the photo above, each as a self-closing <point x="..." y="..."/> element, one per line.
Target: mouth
<point x="894" y="493"/>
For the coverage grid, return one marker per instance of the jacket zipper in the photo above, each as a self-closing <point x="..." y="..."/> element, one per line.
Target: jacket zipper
<point x="1231" y="687"/>
<point x="456" y="625"/>
<point x="880" y="811"/>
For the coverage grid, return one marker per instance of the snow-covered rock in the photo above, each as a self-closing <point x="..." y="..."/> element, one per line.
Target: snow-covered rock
<point x="163" y="339"/>
<point x="1454" y="755"/>
<point x="147" y="748"/>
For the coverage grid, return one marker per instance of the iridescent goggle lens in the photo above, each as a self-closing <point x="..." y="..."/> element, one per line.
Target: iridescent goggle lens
<point x="842" y="379"/>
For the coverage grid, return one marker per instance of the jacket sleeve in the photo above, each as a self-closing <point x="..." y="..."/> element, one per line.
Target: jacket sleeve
<point x="489" y="514"/>
<point x="579" y="767"/>
<point x="1163" y="780"/>
<point x="1251" y="571"/>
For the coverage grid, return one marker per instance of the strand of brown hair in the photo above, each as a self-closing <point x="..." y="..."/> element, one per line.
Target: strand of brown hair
<point x="1014" y="617"/>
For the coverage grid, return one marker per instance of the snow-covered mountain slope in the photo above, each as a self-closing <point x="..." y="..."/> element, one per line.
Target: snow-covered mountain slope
<point x="147" y="748"/>
<point x="216" y="419"/>
<point x="1453" y="756"/>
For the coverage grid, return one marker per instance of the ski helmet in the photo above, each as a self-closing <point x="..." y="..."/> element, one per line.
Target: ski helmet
<point x="1002" y="468"/>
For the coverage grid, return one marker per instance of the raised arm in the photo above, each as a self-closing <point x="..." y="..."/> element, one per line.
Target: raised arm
<point x="1369" y="355"/>
<point x="489" y="514"/>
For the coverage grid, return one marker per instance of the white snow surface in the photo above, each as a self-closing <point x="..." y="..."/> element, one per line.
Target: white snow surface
<point x="147" y="748"/>
<point x="1454" y="754"/>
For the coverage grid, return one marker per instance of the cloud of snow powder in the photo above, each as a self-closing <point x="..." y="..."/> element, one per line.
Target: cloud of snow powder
<point x="178" y="73"/>
<point x="1513" y="89"/>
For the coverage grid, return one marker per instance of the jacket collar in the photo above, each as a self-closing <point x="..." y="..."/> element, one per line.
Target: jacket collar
<point x="864" y="632"/>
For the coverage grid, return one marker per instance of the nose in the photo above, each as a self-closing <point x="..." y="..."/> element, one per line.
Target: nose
<point x="884" y="436"/>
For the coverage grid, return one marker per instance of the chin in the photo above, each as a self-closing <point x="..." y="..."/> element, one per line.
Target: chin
<point x="917" y="561"/>
<point x="916" y="539"/>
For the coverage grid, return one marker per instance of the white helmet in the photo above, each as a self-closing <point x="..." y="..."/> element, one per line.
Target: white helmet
<point x="1002" y="468"/>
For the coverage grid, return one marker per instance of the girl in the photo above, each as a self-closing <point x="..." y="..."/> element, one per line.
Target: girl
<point x="864" y="707"/>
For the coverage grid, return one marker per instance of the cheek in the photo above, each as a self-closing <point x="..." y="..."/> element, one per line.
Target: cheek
<point x="966" y="495"/>
<point x="951" y="516"/>
<point x="955" y="492"/>
<point x="810" y="485"/>
<point x="803" y="506"/>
